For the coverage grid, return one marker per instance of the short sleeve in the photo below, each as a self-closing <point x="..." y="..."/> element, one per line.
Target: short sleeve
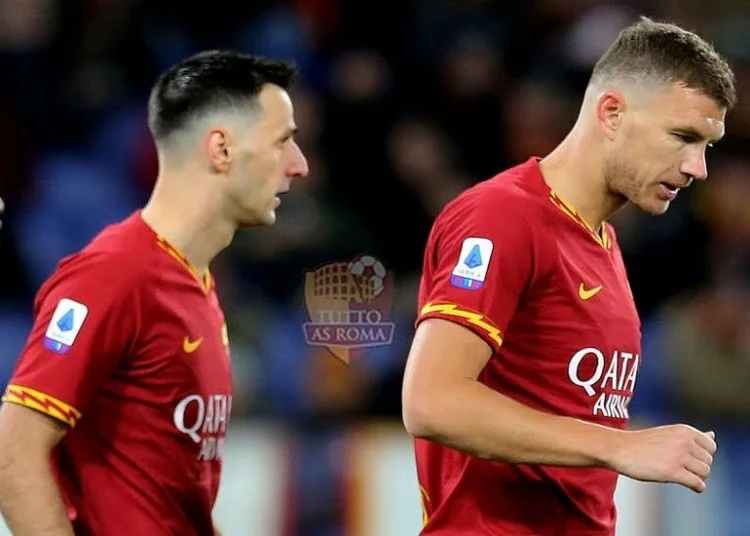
<point x="84" y="319"/>
<point x="478" y="262"/>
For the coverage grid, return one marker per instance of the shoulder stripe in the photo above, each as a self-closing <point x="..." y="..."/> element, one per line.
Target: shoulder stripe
<point x="472" y="317"/>
<point x="31" y="398"/>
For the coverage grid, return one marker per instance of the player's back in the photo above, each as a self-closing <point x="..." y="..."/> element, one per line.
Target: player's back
<point x="514" y="263"/>
<point x="129" y="347"/>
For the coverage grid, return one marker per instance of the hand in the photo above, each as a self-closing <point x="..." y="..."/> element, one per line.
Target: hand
<point x="677" y="454"/>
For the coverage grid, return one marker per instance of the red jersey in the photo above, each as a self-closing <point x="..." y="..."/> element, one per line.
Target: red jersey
<point x="511" y="261"/>
<point x="130" y="349"/>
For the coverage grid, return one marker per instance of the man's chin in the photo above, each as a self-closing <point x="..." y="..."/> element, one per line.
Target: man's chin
<point x="270" y="218"/>
<point x="654" y="206"/>
<point x="257" y="220"/>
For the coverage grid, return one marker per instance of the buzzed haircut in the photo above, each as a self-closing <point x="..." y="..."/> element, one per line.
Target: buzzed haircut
<point x="665" y="53"/>
<point x="208" y="82"/>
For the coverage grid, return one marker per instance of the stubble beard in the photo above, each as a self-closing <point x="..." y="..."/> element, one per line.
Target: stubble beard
<point x="621" y="180"/>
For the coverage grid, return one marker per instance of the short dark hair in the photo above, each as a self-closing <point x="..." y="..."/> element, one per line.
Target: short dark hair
<point x="667" y="53"/>
<point x="210" y="81"/>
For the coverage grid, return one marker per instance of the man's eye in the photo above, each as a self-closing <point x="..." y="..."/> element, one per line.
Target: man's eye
<point x="685" y="138"/>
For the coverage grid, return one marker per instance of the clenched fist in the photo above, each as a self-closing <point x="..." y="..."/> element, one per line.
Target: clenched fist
<point x="677" y="454"/>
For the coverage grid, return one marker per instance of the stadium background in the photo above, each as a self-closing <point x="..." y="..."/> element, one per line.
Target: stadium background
<point x="399" y="110"/>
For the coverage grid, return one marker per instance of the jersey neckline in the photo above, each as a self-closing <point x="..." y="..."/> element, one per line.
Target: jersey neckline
<point x="602" y="238"/>
<point x="205" y="281"/>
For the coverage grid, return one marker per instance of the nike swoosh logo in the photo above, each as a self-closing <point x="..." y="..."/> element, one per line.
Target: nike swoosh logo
<point x="191" y="346"/>
<point x="587" y="294"/>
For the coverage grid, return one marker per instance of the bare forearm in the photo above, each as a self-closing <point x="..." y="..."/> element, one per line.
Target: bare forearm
<point x="474" y="419"/>
<point x="30" y="500"/>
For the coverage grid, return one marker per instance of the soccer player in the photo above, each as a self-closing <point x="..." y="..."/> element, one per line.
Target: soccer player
<point x="527" y="346"/>
<point x="125" y="382"/>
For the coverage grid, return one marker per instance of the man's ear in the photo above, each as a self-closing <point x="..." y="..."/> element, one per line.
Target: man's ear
<point x="218" y="148"/>
<point x="610" y="108"/>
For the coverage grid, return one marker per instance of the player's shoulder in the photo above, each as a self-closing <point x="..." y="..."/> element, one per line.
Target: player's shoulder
<point x="115" y="255"/>
<point x="518" y="194"/>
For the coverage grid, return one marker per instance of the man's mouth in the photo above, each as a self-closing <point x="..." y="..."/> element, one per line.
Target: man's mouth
<point x="671" y="187"/>
<point x="277" y="198"/>
<point x="675" y="187"/>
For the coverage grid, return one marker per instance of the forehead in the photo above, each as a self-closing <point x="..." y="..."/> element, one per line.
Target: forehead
<point x="688" y="108"/>
<point x="276" y="109"/>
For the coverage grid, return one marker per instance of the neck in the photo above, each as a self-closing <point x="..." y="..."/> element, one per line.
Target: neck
<point x="574" y="170"/>
<point x="189" y="220"/>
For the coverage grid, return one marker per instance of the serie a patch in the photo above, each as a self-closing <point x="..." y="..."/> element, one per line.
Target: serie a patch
<point x="64" y="326"/>
<point x="473" y="262"/>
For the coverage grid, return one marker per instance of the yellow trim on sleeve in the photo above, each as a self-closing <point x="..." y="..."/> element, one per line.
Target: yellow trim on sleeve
<point x="39" y="401"/>
<point x="456" y="311"/>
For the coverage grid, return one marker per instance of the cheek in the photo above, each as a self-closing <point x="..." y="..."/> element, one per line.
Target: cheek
<point x="255" y="169"/>
<point x="271" y="160"/>
<point x="267" y="173"/>
<point x="274" y="166"/>
<point x="647" y="158"/>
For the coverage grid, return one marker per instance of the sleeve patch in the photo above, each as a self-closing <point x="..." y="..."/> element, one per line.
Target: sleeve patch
<point x="31" y="398"/>
<point x="451" y="311"/>
<point x="64" y="326"/>
<point x="474" y="260"/>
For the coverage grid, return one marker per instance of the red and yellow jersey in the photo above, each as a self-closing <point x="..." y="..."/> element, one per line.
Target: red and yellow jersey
<point x="129" y="348"/>
<point x="511" y="261"/>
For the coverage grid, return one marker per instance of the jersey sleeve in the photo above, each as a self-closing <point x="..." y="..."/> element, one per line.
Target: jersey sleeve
<point x="84" y="318"/>
<point x="478" y="262"/>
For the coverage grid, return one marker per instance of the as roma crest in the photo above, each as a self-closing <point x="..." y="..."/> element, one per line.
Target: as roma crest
<point x="348" y="303"/>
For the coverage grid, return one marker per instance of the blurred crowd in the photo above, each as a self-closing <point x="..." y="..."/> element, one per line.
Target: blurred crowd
<point x="399" y="110"/>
